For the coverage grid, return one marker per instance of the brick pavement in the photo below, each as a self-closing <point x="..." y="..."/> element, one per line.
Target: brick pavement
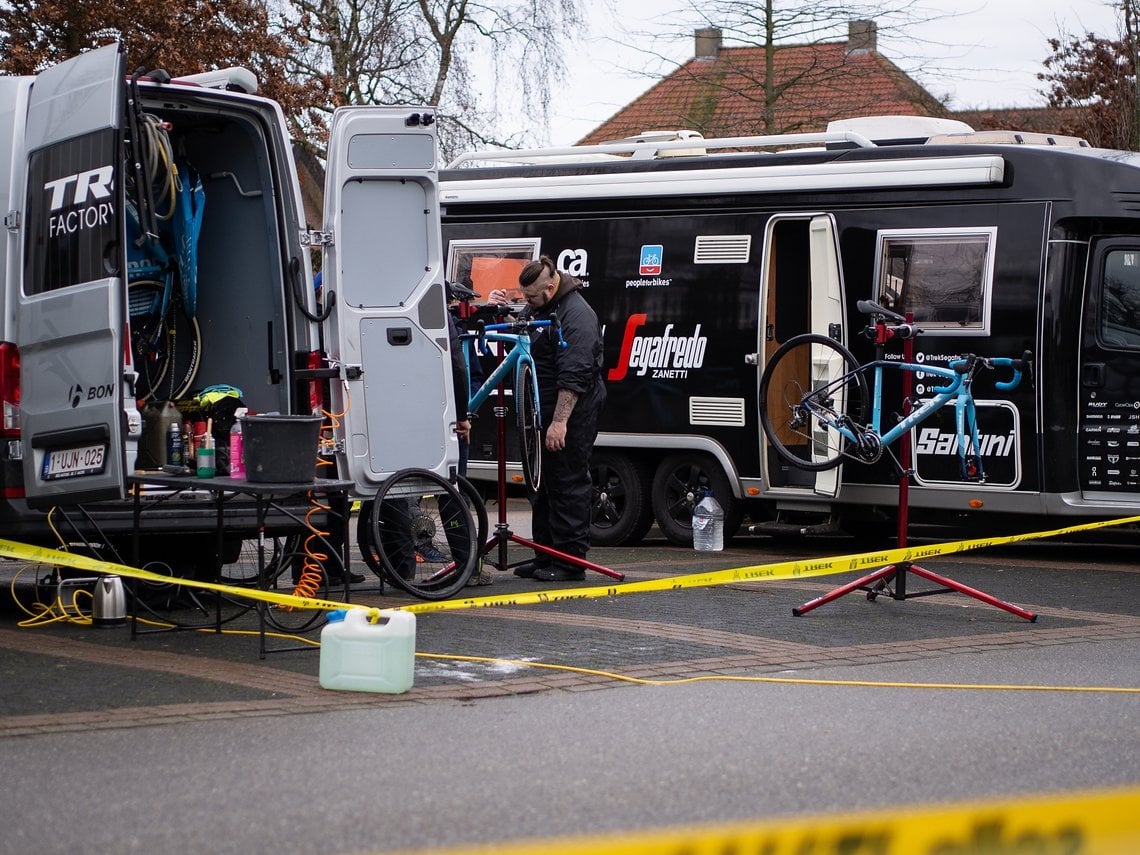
<point x="67" y="678"/>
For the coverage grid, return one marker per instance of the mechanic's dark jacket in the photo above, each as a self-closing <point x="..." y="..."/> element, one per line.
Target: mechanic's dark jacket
<point x="578" y="366"/>
<point x="458" y="371"/>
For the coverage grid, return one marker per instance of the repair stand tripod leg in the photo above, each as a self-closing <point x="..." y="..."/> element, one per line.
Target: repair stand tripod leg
<point x="895" y="575"/>
<point x="503" y="534"/>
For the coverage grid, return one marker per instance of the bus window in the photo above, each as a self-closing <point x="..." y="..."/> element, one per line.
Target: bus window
<point x="943" y="276"/>
<point x="1120" y="299"/>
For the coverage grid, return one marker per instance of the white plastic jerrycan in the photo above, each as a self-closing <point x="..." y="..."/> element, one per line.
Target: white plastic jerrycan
<point x="360" y="656"/>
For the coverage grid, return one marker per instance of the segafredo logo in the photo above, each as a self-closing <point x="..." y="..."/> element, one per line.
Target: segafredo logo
<point x="669" y="356"/>
<point x="88" y="193"/>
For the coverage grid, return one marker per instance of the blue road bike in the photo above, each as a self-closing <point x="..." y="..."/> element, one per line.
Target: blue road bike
<point x="514" y="340"/>
<point x="815" y="398"/>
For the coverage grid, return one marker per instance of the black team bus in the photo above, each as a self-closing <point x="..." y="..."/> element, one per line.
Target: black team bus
<point x="702" y="256"/>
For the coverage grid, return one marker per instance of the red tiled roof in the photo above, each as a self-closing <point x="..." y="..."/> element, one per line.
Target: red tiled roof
<point x="814" y="84"/>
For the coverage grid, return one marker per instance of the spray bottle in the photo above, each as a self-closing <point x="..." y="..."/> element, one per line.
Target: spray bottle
<point x="237" y="464"/>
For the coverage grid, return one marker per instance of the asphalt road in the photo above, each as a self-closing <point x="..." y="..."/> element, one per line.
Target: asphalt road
<point x="184" y="742"/>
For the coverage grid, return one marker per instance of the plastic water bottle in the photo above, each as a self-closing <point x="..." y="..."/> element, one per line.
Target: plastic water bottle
<point x="708" y="524"/>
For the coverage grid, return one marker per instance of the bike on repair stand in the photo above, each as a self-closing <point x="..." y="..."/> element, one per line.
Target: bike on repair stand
<point x="817" y="407"/>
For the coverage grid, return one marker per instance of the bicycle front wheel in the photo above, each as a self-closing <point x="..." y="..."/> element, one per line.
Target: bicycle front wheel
<point x="528" y="418"/>
<point x="424" y="534"/>
<point x="811" y="386"/>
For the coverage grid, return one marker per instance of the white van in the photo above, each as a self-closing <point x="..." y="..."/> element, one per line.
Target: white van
<point x="69" y="140"/>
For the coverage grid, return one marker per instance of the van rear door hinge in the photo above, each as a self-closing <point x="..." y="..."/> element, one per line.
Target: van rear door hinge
<point x="316" y="238"/>
<point x="12" y="221"/>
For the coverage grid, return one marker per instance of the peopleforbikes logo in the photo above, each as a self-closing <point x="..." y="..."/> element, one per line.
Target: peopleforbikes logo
<point x="88" y="194"/>
<point x="668" y="356"/>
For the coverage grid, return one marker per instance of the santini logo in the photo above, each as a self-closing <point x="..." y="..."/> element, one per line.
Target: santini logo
<point x="931" y="440"/>
<point x="669" y="356"/>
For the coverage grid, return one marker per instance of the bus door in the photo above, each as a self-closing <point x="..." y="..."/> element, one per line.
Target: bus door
<point x="1109" y="393"/>
<point x="801" y="291"/>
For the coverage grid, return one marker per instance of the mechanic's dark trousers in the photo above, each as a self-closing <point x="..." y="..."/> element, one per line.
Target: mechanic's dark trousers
<point x="560" y="515"/>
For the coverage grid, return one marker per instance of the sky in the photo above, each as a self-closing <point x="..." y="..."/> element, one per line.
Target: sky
<point x="986" y="55"/>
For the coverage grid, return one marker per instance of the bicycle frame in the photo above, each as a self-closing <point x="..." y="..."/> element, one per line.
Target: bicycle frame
<point x="513" y="360"/>
<point x="959" y="377"/>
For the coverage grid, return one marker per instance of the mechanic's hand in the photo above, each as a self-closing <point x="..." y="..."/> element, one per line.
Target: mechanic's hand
<point x="498" y="297"/>
<point x="556" y="436"/>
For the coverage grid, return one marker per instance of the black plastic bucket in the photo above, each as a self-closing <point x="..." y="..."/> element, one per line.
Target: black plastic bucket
<point x="280" y="449"/>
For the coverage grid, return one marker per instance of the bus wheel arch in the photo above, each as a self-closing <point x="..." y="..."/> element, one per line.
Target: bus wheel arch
<point x="678" y="485"/>
<point x="620" y="508"/>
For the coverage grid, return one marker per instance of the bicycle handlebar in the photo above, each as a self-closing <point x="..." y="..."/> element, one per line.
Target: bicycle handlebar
<point x="523" y="325"/>
<point x="1024" y="365"/>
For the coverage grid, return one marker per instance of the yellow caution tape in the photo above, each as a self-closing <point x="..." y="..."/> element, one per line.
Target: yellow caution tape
<point x="1092" y="823"/>
<point x="53" y="557"/>
<point x="761" y="572"/>
<point x="797" y="569"/>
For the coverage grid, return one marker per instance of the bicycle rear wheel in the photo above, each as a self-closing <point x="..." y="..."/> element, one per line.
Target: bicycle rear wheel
<point x="811" y="384"/>
<point x="424" y="534"/>
<point x="148" y="339"/>
<point x="371" y="554"/>
<point x="528" y="418"/>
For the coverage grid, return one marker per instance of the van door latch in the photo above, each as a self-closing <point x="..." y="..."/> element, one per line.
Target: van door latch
<point x="316" y="238"/>
<point x="353" y="372"/>
<point x="12" y="221"/>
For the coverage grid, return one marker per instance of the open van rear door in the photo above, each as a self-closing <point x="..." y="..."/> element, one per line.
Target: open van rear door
<point x="383" y="261"/>
<point x="70" y="322"/>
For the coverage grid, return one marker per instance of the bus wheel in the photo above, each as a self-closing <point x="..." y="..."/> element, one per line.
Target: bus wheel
<point x="620" y="510"/>
<point x="678" y="485"/>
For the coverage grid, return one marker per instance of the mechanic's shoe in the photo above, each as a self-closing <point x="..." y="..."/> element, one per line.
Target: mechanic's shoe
<point x="428" y="552"/>
<point x="481" y="576"/>
<point x="527" y="569"/>
<point x="560" y="573"/>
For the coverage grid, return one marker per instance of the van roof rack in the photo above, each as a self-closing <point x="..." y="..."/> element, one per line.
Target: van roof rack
<point x="651" y="145"/>
<point x="861" y="132"/>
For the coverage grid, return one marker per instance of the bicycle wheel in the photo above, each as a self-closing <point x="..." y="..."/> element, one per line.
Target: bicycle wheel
<point x="371" y="554"/>
<point x="529" y="420"/>
<point x="810" y="385"/>
<point x="424" y="534"/>
<point x="184" y="352"/>
<point x="148" y="339"/>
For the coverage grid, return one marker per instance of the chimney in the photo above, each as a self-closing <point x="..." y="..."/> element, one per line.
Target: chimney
<point x="708" y="43"/>
<point x="861" y="36"/>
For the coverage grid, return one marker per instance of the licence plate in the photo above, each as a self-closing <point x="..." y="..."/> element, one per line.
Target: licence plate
<point x="73" y="462"/>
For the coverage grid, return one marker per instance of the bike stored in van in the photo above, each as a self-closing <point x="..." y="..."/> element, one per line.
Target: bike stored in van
<point x="703" y="256"/>
<point x="87" y="221"/>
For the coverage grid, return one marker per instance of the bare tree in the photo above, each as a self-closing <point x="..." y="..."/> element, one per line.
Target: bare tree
<point x="1094" y="81"/>
<point x="433" y="52"/>
<point x="183" y="37"/>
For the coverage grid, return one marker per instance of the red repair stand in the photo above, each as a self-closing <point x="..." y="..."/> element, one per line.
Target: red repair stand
<point x="881" y="580"/>
<point x="503" y="535"/>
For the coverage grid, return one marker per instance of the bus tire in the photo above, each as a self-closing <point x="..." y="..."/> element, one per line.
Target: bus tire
<point x="620" y="510"/>
<point x="678" y="485"/>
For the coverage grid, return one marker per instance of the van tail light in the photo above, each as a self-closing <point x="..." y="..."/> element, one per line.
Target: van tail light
<point x="10" y="389"/>
<point x="316" y="387"/>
